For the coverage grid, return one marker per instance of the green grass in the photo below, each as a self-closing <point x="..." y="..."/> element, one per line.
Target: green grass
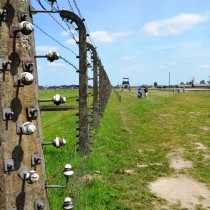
<point x="135" y="131"/>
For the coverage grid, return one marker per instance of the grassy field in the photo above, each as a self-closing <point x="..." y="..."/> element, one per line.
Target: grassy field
<point x="132" y="133"/>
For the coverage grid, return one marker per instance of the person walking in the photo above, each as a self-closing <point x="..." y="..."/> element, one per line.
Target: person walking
<point x="139" y="93"/>
<point x="146" y="92"/>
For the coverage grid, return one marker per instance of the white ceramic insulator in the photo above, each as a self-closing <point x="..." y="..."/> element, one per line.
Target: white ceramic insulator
<point x="28" y="128"/>
<point x="27" y="78"/>
<point x="68" y="170"/>
<point x="64" y="99"/>
<point x="57" y="98"/>
<point x="53" y="54"/>
<point x="26" y="28"/>
<point x="49" y="52"/>
<point x="59" y="142"/>
<point x="32" y="177"/>
<point x="67" y="203"/>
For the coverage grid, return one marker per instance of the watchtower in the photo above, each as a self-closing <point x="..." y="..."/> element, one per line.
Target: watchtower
<point x="125" y="83"/>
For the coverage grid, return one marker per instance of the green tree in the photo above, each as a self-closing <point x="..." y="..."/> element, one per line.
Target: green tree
<point x="202" y="82"/>
<point x="155" y="84"/>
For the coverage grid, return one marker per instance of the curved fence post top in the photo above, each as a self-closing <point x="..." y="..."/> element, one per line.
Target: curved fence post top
<point x="71" y="15"/>
<point x="92" y="48"/>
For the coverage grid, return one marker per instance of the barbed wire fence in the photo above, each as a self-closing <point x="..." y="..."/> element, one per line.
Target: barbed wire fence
<point x="23" y="182"/>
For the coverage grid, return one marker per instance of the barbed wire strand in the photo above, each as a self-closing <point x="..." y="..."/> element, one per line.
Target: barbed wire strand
<point x="64" y="59"/>
<point x="62" y="129"/>
<point x="69" y="31"/>
<point x="61" y="169"/>
<point x="57" y="9"/>
<point x="80" y="14"/>
<point x="70" y="6"/>
<point x="70" y="156"/>
<point x="75" y="3"/>
<point x="55" y="40"/>
<point x="54" y="123"/>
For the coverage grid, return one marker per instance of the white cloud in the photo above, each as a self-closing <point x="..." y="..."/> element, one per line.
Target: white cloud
<point x="173" y="25"/>
<point x="205" y="66"/>
<point x="67" y="33"/>
<point x="71" y="42"/>
<point x="128" y="57"/>
<point x="56" y="64"/>
<point x="45" y="49"/>
<point x="105" y="37"/>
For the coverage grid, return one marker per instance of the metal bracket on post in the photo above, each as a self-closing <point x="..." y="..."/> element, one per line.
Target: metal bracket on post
<point x="5" y="64"/>
<point x="7" y="114"/>
<point x="39" y="204"/>
<point x="18" y="127"/>
<point x="17" y="81"/>
<point x="28" y="66"/>
<point x="21" y="16"/>
<point x="9" y="165"/>
<point x="14" y="32"/>
<point x="3" y="15"/>
<point x="23" y="173"/>
<point x="35" y="159"/>
<point x="32" y="112"/>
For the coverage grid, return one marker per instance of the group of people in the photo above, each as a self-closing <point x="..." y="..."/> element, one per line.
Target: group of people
<point x="183" y="90"/>
<point x="142" y="91"/>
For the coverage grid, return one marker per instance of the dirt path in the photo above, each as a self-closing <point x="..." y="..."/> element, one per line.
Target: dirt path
<point x="180" y="190"/>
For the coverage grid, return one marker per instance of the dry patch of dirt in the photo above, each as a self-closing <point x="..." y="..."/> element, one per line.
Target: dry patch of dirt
<point x="180" y="164"/>
<point x="126" y="171"/>
<point x="192" y="135"/>
<point x="147" y="165"/>
<point x="200" y="146"/>
<point x="166" y="115"/>
<point x="206" y="157"/>
<point x="205" y="128"/>
<point x="90" y="177"/>
<point x="177" y="162"/>
<point x="195" y="113"/>
<point x="129" y="171"/>
<point x="181" y="190"/>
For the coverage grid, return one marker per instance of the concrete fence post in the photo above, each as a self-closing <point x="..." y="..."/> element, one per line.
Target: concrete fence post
<point x="22" y="165"/>
<point x="95" y="86"/>
<point x="84" y="143"/>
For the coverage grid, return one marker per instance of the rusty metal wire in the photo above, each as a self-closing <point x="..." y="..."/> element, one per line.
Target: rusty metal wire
<point x="54" y="39"/>
<point x="69" y="63"/>
<point x="75" y="3"/>
<point x="70" y="31"/>
<point x="70" y="6"/>
<point x="54" y="123"/>
<point x="80" y="15"/>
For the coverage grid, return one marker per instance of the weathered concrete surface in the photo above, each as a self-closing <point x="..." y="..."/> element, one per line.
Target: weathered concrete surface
<point x="13" y="191"/>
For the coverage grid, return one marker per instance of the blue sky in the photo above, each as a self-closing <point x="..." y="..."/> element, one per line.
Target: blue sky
<point x="143" y="40"/>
